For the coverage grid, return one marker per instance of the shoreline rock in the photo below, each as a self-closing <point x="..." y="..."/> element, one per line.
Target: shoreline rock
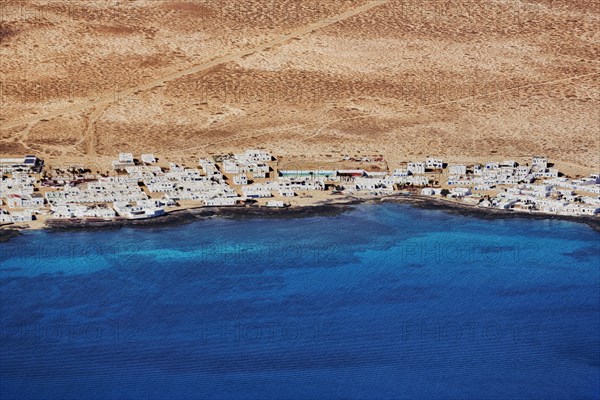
<point x="325" y="208"/>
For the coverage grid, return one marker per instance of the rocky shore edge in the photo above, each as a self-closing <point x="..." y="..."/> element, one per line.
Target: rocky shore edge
<point x="324" y="208"/>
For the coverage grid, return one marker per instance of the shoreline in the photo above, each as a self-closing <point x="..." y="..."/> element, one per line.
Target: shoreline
<point x="321" y="208"/>
<point x="452" y="207"/>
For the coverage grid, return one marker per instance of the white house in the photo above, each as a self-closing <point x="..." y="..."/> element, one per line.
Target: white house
<point x="286" y="192"/>
<point x="81" y="211"/>
<point x="482" y="187"/>
<point x="231" y="166"/>
<point x="551" y="206"/>
<point x="400" y="172"/>
<point x="522" y="171"/>
<point x="370" y="184"/>
<point x="258" y="156"/>
<point x="416" y="167"/>
<point x="458" y="170"/>
<point x="240" y="179"/>
<point x="540" y="163"/>
<point x="22" y="216"/>
<point x="581" y="209"/>
<point x="68" y="210"/>
<point x="99" y="211"/>
<point x="25" y="201"/>
<point x="507" y="203"/>
<point x="256" y="191"/>
<point x="148" y="158"/>
<point x="221" y="201"/>
<point x="434" y="163"/>
<point x="460" y="192"/>
<point x="431" y="192"/>
<point x="125" y="158"/>
<point x="258" y="168"/>
<point x="28" y="163"/>
<point x="259" y="174"/>
<point x="137" y="211"/>
<point x="485" y="203"/>
<point x="508" y="164"/>
<point x="5" y="216"/>
<point x="14" y="201"/>
<point x="35" y="200"/>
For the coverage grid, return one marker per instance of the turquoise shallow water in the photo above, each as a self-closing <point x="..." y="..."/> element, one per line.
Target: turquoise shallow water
<point x="382" y="301"/>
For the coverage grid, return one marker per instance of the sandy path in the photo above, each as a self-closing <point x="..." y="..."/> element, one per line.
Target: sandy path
<point x="108" y="98"/>
<point x="89" y="138"/>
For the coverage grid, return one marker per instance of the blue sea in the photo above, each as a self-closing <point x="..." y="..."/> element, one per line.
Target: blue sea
<point x="381" y="301"/>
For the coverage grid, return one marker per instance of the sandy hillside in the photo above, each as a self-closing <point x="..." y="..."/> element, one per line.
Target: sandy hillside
<point x="460" y="79"/>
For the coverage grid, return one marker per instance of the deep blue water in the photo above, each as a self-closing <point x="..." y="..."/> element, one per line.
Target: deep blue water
<point x="383" y="301"/>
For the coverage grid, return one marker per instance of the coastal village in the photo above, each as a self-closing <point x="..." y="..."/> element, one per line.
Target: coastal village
<point x="147" y="187"/>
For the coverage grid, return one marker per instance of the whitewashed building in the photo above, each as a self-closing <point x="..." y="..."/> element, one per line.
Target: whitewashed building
<point x="286" y="192"/>
<point x="431" y="191"/>
<point x="254" y="156"/>
<point x="240" y="179"/>
<point x="457" y="169"/>
<point x="434" y="163"/>
<point x="460" y="192"/>
<point x="540" y="163"/>
<point x="148" y="158"/>
<point x="416" y="167"/>
<point x="221" y="201"/>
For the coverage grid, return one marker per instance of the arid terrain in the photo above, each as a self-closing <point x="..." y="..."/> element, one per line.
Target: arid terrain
<point x="467" y="79"/>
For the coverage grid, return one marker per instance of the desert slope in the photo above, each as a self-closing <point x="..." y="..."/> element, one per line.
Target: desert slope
<point x="461" y="79"/>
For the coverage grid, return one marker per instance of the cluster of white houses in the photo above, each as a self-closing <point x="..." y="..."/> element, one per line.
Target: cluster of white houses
<point x="140" y="188"/>
<point x="530" y="188"/>
<point x="28" y="163"/>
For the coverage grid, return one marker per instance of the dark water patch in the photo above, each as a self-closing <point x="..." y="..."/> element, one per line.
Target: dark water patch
<point x="5" y="235"/>
<point x="28" y="319"/>
<point x="588" y="253"/>
<point x="496" y="249"/>
<point x="584" y="351"/>
<point x="195" y="357"/>
<point x="559" y="311"/>
<point x="537" y="290"/>
<point x="11" y="269"/>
